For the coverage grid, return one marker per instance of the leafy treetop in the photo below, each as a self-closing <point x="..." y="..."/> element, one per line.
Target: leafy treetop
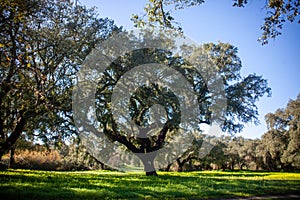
<point x="278" y="12"/>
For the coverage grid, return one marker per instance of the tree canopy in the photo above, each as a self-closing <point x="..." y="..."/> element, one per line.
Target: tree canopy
<point x="42" y="45"/>
<point x="135" y="127"/>
<point x="282" y="140"/>
<point x="277" y="150"/>
<point x="278" y="12"/>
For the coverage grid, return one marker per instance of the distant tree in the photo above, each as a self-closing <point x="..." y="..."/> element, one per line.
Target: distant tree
<point x="278" y="12"/>
<point x="233" y="152"/>
<point x="291" y="155"/>
<point x="218" y="156"/>
<point x="260" y="155"/>
<point x="42" y="45"/>
<point x="252" y="158"/>
<point x="242" y="153"/>
<point x="282" y="140"/>
<point x="76" y="157"/>
<point x="241" y="92"/>
<point x="274" y="143"/>
<point x="192" y="153"/>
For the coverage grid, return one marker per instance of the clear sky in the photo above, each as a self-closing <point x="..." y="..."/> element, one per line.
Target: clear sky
<point x="217" y="20"/>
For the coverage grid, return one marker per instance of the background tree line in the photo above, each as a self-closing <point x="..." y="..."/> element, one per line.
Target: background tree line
<point x="277" y="150"/>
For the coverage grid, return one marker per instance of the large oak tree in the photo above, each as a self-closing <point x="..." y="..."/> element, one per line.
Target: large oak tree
<point x="42" y="45"/>
<point x="241" y="94"/>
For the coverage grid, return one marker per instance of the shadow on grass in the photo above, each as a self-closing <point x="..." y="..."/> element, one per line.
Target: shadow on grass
<point x="25" y="184"/>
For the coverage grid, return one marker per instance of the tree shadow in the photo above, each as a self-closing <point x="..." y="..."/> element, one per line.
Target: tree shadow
<point x="114" y="185"/>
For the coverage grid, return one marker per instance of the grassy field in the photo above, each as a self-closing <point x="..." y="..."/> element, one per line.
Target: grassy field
<point x="26" y="184"/>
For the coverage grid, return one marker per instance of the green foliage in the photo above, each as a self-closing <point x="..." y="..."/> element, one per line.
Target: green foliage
<point x="156" y="13"/>
<point x="278" y="149"/>
<point x="75" y="157"/>
<point x="282" y="141"/>
<point x="43" y="44"/>
<point x="278" y="12"/>
<point x="241" y="93"/>
<point x="115" y="185"/>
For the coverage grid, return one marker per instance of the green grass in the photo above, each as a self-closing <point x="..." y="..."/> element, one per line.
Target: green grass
<point x="26" y="184"/>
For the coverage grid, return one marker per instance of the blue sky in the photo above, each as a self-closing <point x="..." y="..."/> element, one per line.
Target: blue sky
<point x="217" y="20"/>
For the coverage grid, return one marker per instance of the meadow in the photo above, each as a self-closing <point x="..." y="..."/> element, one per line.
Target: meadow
<point x="32" y="184"/>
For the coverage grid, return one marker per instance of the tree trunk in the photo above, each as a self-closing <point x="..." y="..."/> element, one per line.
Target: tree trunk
<point x="102" y="165"/>
<point x="180" y="168"/>
<point x="2" y="152"/>
<point x="148" y="161"/>
<point x="241" y="166"/>
<point x="223" y="167"/>
<point x="11" y="140"/>
<point x="232" y="165"/>
<point x="12" y="158"/>
<point x="180" y="165"/>
<point x="149" y="168"/>
<point x="168" y="167"/>
<point x="153" y="173"/>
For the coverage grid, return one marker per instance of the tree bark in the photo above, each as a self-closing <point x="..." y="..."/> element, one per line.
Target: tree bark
<point x="241" y="166"/>
<point x="1" y="153"/>
<point x="11" y="140"/>
<point x="102" y="165"/>
<point x="12" y="158"/>
<point x="223" y="167"/>
<point x="232" y="166"/>
<point x="168" y="167"/>
<point x="148" y="161"/>
<point x="152" y="173"/>
<point x="180" y="165"/>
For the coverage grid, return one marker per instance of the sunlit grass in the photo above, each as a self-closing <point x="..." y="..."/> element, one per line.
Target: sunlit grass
<point x="26" y="184"/>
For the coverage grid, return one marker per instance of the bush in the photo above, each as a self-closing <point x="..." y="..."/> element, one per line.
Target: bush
<point x="38" y="157"/>
<point x="39" y="160"/>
